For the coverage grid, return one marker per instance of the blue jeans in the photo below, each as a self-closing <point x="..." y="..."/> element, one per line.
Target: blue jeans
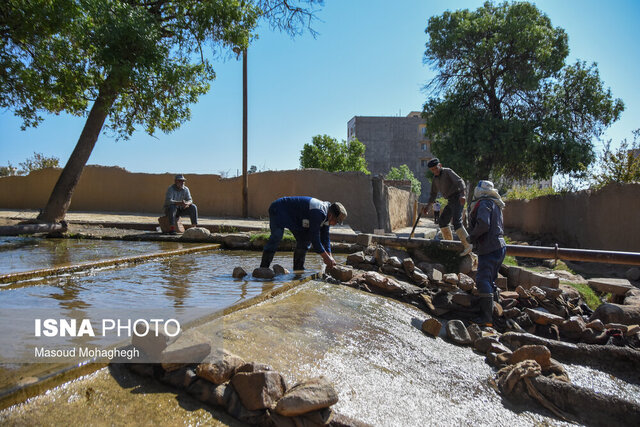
<point x="277" y="231"/>
<point x="174" y="212"/>
<point x="488" y="265"/>
<point x="452" y="212"/>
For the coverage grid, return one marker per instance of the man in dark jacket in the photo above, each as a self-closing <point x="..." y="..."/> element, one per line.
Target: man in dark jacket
<point x="308" y="219"/>
<point x="451" y="186"/>
<point x="486" y="232"/>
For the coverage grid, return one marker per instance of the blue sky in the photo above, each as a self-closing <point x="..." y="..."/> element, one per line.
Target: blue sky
<point x="367" y="60"/>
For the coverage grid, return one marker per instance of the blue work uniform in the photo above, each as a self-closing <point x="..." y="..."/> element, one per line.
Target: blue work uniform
<point x="307" y="220"/>
<point x="486" y="234"/>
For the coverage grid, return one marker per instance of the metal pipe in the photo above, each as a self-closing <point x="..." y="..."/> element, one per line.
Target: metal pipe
<point x="589" y="255"/>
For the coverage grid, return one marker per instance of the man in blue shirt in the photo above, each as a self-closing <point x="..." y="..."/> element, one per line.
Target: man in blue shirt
<point x="177" y="202"/>
<point x="308" y="219"/>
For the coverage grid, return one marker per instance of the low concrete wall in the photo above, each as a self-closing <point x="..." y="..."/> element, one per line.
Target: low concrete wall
<point x="607" y="219"/>
<point x="113" y="189"/>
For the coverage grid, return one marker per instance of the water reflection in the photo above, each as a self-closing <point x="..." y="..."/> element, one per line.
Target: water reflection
<point x="178" y="271"/>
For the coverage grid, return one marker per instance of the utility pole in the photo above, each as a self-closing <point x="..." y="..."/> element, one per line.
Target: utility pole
<point x="245" y="177"/>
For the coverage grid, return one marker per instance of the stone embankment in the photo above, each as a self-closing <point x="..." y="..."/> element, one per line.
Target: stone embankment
<point x="249" y="391"/>
<point x="535" y="325"/>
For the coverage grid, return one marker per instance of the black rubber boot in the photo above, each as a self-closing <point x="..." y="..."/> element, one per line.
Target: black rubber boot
<point x="299" y="256"/>
<point x="267" y="257"/>
<point x="486" y="310"/>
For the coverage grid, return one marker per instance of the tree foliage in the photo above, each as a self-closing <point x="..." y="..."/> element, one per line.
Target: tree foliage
<point x="620" y="165"/>
<point x="329" y="154"/>
<point x="505" y="103"/>
<point x="404" y="173"/>
<point x="123" y="64"/>
<point x="36" y="162"/>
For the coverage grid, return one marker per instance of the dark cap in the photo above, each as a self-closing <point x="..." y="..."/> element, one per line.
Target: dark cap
<point x="433" y="162"/>
<point x="180" y="177"/>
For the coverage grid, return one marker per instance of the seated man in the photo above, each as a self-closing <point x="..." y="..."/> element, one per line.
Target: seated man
<point x="177" y="202"/>
<point x="309" y="220"/>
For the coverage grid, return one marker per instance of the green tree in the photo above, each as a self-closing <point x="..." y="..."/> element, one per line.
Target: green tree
<point x="37" y="162"/>
<point x="404" y="173"/>
<point x="331" y="155"/>
<point x="505" y="103"/>
<point x="618" y="166"/>
<point x="123" y="64"/>
<point x="8" y="170"/>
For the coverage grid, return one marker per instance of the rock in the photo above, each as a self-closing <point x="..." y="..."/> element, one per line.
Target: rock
<point x="633" y="330"/>
<point x="596" y="325"/>
<point x="468" y="263"/>
<point x="180" y="378"/>
<point x="237" y="241"/>
<point x="511" y="313"/>
<point x="219" y="368"/>
<point x="190" y="347"/>
<point x="221" y="395"/>
<point x="201" y="390"/>
<point x="633" y="274"/>
<point x="542" y="318"/>
<point x="610" y="286"/>
<point x="155" y="340"/>
<point x="366" y="266"/>
<point x="381" y="282"/>
<point x="618" y="326"/>
<point x="263" y="273"/>
<point x="381" y="256"/>
<point x="501" y="282"/>
<point x="569" y="292"/>
<point x="457" y="332"/>
<point x="432" y="271"/>
<point x="552" y="293"/>
<point x="615" y="313"/>
<point x="591" y="336"/>
<point x="483" y="344"/>
<point x="236" y="409"/>
<point x="539" y="353"/>
<point x="632" y="297"/>
<point x="509" y="295"/>
<point x="279" y="270"/>
<point x="419" y="278"/>
<point x="338" y="272"/>
<point x="408" y="266"/>
<point x="475" y="332"/>
<point x="428" y="302"/>
<point x="254" y="367"/>
<point x="307" y="396"/>
<point x="548" y="331"/>
<point x="432" y="327"/>
<point x="258" y="390"/>
<point x="498" y="348"/>
<point x="395" y="262"/>
<point x="462" y="298"/>
<point x="538" y="293"/>
<point x="196" y="233"/>
<point x="465" y="282"/>
<point x="451" y="278"/>
<point x="355" y="258"/>
<point x="522" y="292"/>
<point x="572" y="328"/>
<point x="238" y="273"/>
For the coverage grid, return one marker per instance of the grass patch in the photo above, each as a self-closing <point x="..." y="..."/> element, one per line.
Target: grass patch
<point x="264" y="235"/>
<point x="588" y="295"/>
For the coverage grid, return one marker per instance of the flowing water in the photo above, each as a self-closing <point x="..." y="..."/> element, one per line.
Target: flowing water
<point x="386" y="371"/>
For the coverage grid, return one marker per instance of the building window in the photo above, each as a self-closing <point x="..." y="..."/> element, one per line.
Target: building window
<point x="423" y="163"/>
<point x="423" y="147"/>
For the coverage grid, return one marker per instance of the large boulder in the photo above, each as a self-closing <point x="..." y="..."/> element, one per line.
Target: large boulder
<point x="311" y="395"/>
<point x="432" y="327"/>
<point x="539" y="353"/>
<point x="542" y="318"/>
<point x="238" y="273"/>
<point x="382" y="282"/>
<point x="338" y="272"/>
<point x="258" y="390"/>
<point x="263" y="273"/>
<point x="616" y="313"/>
<point x="219" y="368"/>
<point x="196" y="233"/>
<point x="606" y="285"/>
<point x="457" y="332"/>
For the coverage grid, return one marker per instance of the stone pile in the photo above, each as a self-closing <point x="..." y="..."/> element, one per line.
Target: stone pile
<point x="539" y="305"/>
<point x="250" y="392"/>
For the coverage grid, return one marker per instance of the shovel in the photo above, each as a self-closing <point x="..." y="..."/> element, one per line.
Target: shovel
<point x="413" y="230"/>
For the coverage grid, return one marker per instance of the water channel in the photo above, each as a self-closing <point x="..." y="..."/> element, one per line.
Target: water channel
<point x="386" y="370"/>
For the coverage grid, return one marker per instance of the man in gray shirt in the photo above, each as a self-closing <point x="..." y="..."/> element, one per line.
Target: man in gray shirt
<point x="177" y="202"/>
<point x="451" y="186"/>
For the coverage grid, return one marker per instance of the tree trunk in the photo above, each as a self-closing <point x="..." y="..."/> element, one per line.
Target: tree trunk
<point x="60" y="198"/>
